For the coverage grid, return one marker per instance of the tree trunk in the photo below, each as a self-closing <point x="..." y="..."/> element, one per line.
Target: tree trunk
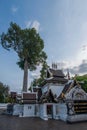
<point x="25" y="78"/>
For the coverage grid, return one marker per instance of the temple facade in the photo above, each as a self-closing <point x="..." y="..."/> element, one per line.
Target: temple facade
<point x="56" y="98"/>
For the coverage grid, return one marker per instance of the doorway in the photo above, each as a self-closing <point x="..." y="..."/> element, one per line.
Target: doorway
<point x="50" y="111"/>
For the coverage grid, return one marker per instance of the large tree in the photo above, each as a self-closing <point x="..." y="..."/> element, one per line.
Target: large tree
<point x="28" y="45"/>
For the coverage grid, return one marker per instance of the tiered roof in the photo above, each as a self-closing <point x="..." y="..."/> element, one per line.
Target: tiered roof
<point x="54" y="76"/>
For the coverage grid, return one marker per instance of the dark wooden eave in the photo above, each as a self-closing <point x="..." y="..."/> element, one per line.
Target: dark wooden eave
<point x="48" y="97"/>
<point x="54" y="80"/>
<point x="29" y="98"/>
<point x="67" y="88"/>
<point x="57" y="73"/>
<point x="54" y="76"/>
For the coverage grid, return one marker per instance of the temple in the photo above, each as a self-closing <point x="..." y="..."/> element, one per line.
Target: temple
<point x="57" y="98"/>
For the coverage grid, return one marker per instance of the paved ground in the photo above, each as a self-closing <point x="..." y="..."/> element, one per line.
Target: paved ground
<point x="16" y="123"/>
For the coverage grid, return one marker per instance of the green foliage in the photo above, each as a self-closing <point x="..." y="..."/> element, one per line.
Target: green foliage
<point x="42" y="73"/>
<point x="27" y="43"/>
<point x="83" y="80"/>
<point x="37" y="82"/>
<point x="4" y="92"/>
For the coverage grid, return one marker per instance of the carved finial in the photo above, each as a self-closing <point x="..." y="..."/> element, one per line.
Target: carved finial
<point x="68" y="74"/>
<point x="54" y="66"/>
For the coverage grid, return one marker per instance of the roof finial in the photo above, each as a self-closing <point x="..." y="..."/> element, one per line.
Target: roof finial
<point x="54" y="66"/>
<point x="68" y="74"/>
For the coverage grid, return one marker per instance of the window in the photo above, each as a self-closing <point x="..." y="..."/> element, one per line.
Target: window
<point x="29" y="107"/>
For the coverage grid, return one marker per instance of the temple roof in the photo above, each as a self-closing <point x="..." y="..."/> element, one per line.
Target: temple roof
<point x="57" y="73"/>
<point x="54" y="80"/>
<point x="67" y="88"/>
<point x="48" y="97"/>
<point x="54" y="76"/>
<point x="29" y="98"/>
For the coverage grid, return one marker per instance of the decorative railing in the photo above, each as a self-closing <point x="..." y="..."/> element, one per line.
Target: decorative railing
<point x="76" y="107"/>
<point x="80" y="106"/>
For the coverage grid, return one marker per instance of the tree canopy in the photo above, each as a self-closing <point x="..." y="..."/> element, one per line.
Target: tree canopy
<point x="37" y="82"/>
<point x="29" y="46"/>
<point x="4" y="92"/>
<point x="83" y="81"/>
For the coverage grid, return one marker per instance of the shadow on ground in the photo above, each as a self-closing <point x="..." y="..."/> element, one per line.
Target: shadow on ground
<point x="22" y="123"/>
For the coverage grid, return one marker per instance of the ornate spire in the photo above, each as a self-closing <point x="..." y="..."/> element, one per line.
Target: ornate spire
<point x="54" y="66"/>
<point x="68" y="74"/>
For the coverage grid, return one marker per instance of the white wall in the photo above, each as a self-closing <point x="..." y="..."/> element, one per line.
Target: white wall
<point x="56" y="88"/>
<point x="29" y="110"/>
<point x="55" y="111"/>
<point x="17" y="109"/>
<point x="45" y="88"/>
<point x="37" y="110"/>
<point x="62" y="108"/>
<point x="43" y="112"/>
<point x="3" y="105"/>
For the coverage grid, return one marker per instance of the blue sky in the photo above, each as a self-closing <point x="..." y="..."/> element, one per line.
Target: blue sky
<point x="61" y="23"/>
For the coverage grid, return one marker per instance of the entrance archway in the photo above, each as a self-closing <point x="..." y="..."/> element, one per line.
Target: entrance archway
<point x="50" y="111"/>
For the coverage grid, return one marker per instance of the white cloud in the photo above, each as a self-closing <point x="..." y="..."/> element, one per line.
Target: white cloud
<point x="14" y="9"/>
<point x="82" y="53"/>
<point x="36" y="74"/>
<point x="84" y="47"/>
<point x="80" y="69"/>
<point x="78" y="65"/>
<point x="84" y="25"/>
<point x="84" y="29"/>
<point x="28" y="24"/>
<point x="35" y="24"/>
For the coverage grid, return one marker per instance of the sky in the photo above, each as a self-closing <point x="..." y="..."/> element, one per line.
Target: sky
<point x="62" y="24"/>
